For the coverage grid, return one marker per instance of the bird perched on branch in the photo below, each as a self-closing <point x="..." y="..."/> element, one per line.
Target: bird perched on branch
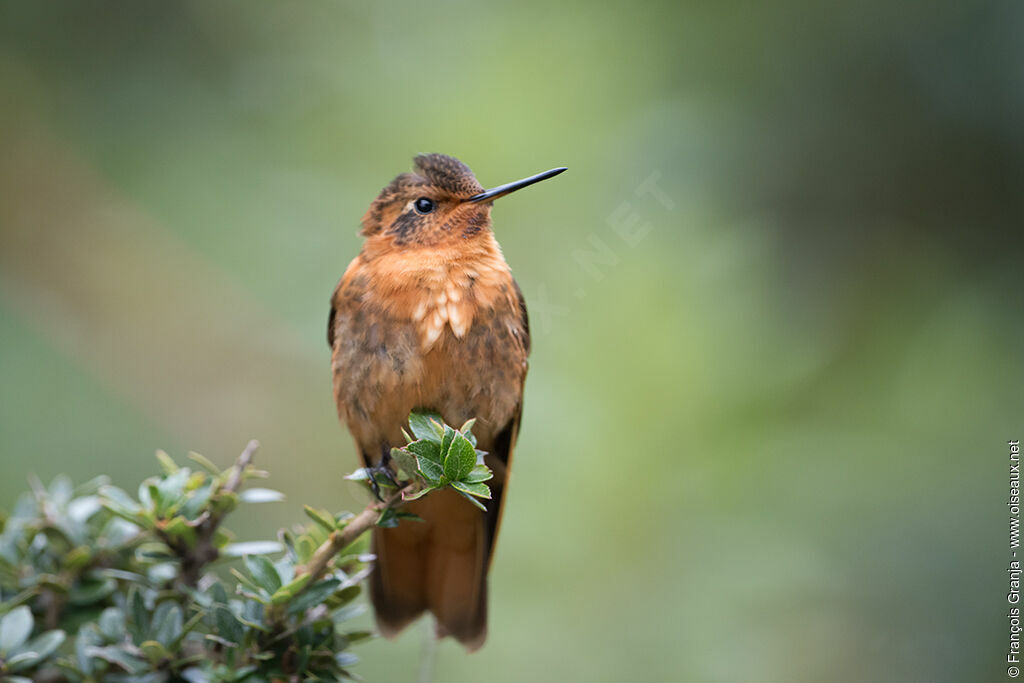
<point x="428" y="317"/>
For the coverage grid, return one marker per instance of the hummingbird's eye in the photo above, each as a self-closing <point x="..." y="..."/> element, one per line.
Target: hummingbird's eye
<point x="424" y="205"/>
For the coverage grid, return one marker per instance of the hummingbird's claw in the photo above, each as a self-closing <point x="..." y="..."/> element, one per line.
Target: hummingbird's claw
<point x="385" y="472"/>
<point x="374" y="486"/>
<point x="383" y="468"/>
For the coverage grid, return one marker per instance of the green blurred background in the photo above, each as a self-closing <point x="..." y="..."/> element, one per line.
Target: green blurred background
<point x="765" y="423"/>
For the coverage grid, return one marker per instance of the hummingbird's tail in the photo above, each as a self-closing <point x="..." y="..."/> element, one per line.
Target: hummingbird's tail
<point x="439" y="565"/>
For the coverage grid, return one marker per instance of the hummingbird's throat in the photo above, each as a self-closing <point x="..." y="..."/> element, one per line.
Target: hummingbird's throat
<point x="440" y="290"/>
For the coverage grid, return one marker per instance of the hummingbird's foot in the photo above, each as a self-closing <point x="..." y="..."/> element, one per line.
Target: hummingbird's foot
<point x="382" y="468"/>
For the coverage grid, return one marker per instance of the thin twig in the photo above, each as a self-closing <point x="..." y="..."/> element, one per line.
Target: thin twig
<point x="205" y="550"/>
<point x="244" y="460"/>
<point x="341" y="539"/>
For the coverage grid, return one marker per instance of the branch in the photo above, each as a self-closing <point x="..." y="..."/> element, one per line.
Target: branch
<point x="205" y="551"/>
<point x="244" y="461"/>
<point x="342" y="538"/>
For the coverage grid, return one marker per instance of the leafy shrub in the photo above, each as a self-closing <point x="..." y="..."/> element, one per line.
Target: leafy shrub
<point x="100" y="585"/>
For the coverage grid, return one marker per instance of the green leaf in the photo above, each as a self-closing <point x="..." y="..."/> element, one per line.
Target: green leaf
<point x="92" y="486"/>
<point x="195" y="480"/>
<point x="15" y="628"/>
<point x="149" y="494"/>
<point x="111" y="623"/>
<point x="118" y="657"/>
<point x="221" y="537"/>
<point x="344" y="659"/>
<point x="87" y="638"/>
<point x="263" y="573"/>
<point x="120" y="574"/>
<point x="224" y="502"/>
<point x="446" y="440"/>
<point x="288" y="591"/>
<point x="460" y="459"/>
<point x="321" y="517"/>
<point x="164" y="572"/>
<point x="140" y="615"/>
<point x="166" y="463"/>
<point x="425" y="450"/>
<point x="478" y="490"/>
<point x="362" y="474"/>
<point x="203" y="462"/>
<point x="77" y="558"/>
<point x="418" y="494"/>
<point x="195" y="503"/>
<point x="388" y="519"/>
<point x="472" y="500"/>
<point x="251" y="612"/>
<point x="119" y="502"/>
<point x="304" y="549"/>
<point x="245" y="580"/>
<point x="228" y="626"/>
<point x="252" y="624"/>
<point x="179" y="530"/>
<point x="252" y="548"/>
<point x="340" y="615"/>
<point x="426" y="426"/>
<point x="117" y="532"/>
<point x="260" y="596"/>
<point x="478" y="474"/>
<point x="240" y="674"/>
<point x="61" y="490"/>
<point x="357" y="636"/>
<point x="91" y="591"/>
<point x="21" y="661"/>
<point x="154" y="651"/>
<point x="47" y="643"/>
<point x="167" y="623"/>
<point x="261" y="496"/>
<point x="345" y="595"/>
<point x="409" y="515"/>
<point x="205" y="599"/>
<point x="81" y="509"/>
<point x="467" y="430"/>
<point x="316" y="594"/>
<point x="187" y="627"/>
<point x="406" y="461"/>
<point x="171" y="489"/>
<point x="153" y="551"/>
<point x="428" y="459"/>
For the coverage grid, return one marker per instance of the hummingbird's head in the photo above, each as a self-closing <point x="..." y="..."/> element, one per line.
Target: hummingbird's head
<point x="440" y="202"/>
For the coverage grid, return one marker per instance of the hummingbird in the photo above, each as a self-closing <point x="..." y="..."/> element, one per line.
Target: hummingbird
<point x="429" y="317"/>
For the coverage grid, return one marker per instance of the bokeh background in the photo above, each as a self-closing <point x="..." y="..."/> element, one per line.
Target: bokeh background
<point x="765" y="423"/>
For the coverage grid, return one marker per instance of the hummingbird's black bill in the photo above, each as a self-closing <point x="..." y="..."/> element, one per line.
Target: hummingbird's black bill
<point x="502" y="190"/>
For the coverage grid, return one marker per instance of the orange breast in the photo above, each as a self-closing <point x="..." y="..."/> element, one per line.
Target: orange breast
<point x="427" y="328"/>
<point x="436" y="287"/>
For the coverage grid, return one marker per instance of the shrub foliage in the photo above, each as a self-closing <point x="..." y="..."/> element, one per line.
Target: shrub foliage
<point x="97" y="584"/>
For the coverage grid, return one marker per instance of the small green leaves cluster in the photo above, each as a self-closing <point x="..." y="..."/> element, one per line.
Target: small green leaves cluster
<point x="183" y="508"/>
<point x="436" y="456"/>
<point x="439" y="456"/>
<point x="19" y="653"/>
<point x="98" y="585"/>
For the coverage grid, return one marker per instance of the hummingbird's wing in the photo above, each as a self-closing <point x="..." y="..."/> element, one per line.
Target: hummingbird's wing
<point x="503" y="446"/>
<point x="501" y="452"/>
<point x="330" y="324"/>
<point x="524" y="316"/>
